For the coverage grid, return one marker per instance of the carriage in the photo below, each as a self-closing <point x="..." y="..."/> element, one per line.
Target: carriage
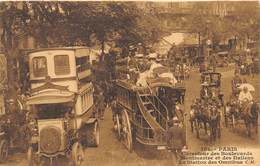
<point x="205" y="114"/>
<point x="61" y="110"/>
<point x="222" y="59"/>
<point x="211" y="82"/>
<point x="205" y="111"/>
<point x="241" y="113"/>
<point x="140" y="115"/>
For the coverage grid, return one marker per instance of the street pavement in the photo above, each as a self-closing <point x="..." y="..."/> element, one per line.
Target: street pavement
<point x="113" y="153"/>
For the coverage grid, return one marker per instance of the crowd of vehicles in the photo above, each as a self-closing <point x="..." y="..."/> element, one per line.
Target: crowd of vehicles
<point x="55" y="113"/>
<point x="141" y="114"/>
<point x="205" y="111"/>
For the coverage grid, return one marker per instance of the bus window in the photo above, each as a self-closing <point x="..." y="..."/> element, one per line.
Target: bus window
<point x="39" y="66"/>
<point x="83" y="63"/>
<point x="61" y="64"/>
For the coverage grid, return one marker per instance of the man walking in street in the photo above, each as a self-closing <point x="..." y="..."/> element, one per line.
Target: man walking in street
<point x="176" y="139"/>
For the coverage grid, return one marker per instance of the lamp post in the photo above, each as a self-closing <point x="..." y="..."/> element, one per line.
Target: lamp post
<point x="208" y="42"/>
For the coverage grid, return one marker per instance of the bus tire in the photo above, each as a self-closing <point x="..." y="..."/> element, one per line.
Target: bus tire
<point x="93" y="134"/>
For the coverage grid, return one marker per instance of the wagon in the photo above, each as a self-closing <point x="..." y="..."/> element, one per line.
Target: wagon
<point x="212" y="81"/>
<point x="245" y="114"/>
<point x="140" y="115"/>
<point x="205" y="115"/>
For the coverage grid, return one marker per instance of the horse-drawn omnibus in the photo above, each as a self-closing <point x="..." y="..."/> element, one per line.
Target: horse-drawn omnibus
<point x="140" y="115"/>
<point x="61" y="109"/>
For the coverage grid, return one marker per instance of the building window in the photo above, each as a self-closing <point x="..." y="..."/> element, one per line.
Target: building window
<point x="61" y="64"/>
<point x="39" y="66"/>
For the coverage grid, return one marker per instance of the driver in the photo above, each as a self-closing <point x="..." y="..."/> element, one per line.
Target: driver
<point x="245" y="95"/>
<point x="236" y="80"/>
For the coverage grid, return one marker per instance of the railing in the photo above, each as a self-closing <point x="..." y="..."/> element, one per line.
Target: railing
<point x="144" y="132"/>
<point x="161" y="108"/>
<point x="160" y="118"/>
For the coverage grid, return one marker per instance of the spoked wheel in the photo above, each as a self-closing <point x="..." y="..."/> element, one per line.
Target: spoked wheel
<point x="210" y="134"/>
<point x="192" y="122"/>
<point x="118" y="126"/>
<point x="77" y="154"/>
<point x="225" y="117"/>
<point x="197" y="128"/>
<point x="248" y="129"/>
<point x="4" y="148"/>
<point x="256" y="127"/>
<point x="233" y="122"/>
<point x="219" y="130"/>
<point x="126" y="134"/>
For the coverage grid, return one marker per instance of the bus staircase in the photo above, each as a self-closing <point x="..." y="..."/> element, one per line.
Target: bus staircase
<point x="153" y="111"/>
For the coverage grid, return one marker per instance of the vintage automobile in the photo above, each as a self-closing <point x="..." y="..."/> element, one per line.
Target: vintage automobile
<point x="61" y="109"/>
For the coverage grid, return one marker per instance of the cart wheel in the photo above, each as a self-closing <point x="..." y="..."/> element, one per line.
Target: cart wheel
<point x="219" y="131"/>
<point x="197" y="128"/>
<point x="226" y="120"/>
<point x="126" y="132"/>
<point x="191" y="125"/>
<point x="93" y="134"/>
<point x="77" y="154"/>
<point x="233" y="122"/>
<point x="118" y="126"/>
<point x="248" y="129"/>
<point x="4" y="148"/>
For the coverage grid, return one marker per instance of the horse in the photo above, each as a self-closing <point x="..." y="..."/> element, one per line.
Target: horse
<point x="249" y="113"/>
<point x="206" y="116"/>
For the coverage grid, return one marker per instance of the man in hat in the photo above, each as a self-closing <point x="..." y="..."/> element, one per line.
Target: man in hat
<point x="245" y="98"/>
<point x="236" y="80"/>
<point x="205" y="92"/>
<point x="179" y="112"/>
<point x="176" y="137"/>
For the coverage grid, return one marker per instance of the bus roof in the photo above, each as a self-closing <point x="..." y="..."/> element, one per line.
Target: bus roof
<point x="80" y="51"/>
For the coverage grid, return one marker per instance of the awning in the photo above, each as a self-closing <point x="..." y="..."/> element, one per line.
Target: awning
<point x="51" y="97"/>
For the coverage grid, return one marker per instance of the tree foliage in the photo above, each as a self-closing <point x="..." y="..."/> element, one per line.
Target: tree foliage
<point x="242" y="20"/>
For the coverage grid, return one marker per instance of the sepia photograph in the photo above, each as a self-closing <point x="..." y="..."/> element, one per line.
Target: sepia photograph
<point x="129" y="83"/>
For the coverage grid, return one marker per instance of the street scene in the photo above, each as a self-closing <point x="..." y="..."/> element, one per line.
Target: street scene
<point x="129" y="83"/>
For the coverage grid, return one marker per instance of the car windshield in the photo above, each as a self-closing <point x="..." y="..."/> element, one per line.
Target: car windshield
<point x="52" y="111"/>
